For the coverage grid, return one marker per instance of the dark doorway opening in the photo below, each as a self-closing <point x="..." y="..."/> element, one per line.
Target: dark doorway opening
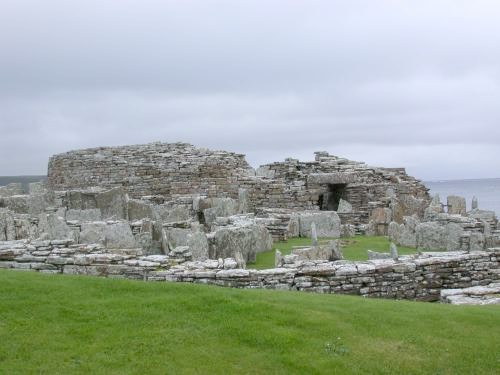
<point x="329" y="200"/>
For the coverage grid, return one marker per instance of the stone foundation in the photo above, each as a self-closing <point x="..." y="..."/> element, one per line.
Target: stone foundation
<point x="419" y="277"/>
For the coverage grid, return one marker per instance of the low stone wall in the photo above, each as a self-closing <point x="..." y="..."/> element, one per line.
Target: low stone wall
<point x="419" y="277"/>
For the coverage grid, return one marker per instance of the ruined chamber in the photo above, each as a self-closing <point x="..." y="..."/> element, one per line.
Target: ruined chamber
<point x="177" y="172"/>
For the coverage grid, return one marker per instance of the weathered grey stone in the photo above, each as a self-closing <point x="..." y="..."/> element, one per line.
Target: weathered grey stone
<point x="243" y="201"/>
<point x="329" y="251"/>
<point x="429" y="236"/>
<point x="144" y="240"/>
<point x="451" y="236"/>
<point x="293" y="229"/>
<point x="456" y="205"/>
<point x="248" y="240"/>
<point x="373" y="255"/>
<point x="7" y="227"/>
<point x="477" y="241"/>
<point x="24" y="228"/>
<point x="11" y="189"/>
<point x="240" y="261"/>
<point x="394" y="231"/>
<point x="221" y="207"/>
<point x="327" y="223"/>
<point x="482" y="215"/>
<point x="278" y="259"/>
<point x="17" y="203"/>
<point x="434" y="208"/>
<point x="235" y="273"/>
<point x="93" y="233"/>
<point x="478" y="295"/>
<point x="92" y="214"/>
<point x="198" y="245"/>
<point x="347" y="230"/>
<point x="474" y="204"/>
<point x="331" y="178"/>
<point x="138" y="209"/>
<point x="230" y="264"/>
<point x="164" y="242"/>
<point x="113" y="204"/>
<point x="314" y="235"/>
<point x="381" y="215"/>
<point x="177" y="237"/>
<point x="264" y="171"/>
<point x="344" y="207"/>
<point x="54" y="227"/>
<point x="380" y="219"/>
<point x="40" y="198"/>
<point x="119" y="236"/>
<point x="167" y="214"/>
<point x="394" y="251"/>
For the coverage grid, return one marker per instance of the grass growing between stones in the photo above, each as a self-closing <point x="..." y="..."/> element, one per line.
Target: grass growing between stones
<point x="53" y="324"/>
<point x="353" y="249"/>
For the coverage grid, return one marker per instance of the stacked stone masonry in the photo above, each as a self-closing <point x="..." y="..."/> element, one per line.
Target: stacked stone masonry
<point x="167" y="172"/>
<point x="421" y="277"/>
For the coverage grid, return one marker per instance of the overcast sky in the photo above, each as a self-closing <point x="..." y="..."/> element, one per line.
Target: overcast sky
<point x="391" y="83"/>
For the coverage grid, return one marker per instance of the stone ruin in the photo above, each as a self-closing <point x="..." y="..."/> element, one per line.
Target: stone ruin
<point x="455" y="229"/>
<point x="165" y="211"/>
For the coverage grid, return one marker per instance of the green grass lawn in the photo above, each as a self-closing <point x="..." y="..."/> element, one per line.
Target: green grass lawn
<point x="54" y="324"/>
<point x="354" y="248"/>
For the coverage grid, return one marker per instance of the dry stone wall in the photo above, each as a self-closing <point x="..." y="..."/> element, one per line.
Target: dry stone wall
<point x="166" y="172"/>
<point x="149" y="170"/>
<point x="418" y="277"/>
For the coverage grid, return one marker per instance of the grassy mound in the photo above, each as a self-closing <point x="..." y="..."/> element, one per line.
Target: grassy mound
<point x="52" y="324"/>
<point x="353" y="249"/>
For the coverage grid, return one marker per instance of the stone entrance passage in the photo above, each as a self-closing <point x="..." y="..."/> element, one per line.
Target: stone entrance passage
<point x="329" y="200"/>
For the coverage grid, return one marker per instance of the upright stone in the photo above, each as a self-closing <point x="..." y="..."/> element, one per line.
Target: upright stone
<point x="55" y="227"/>
<point x="278" y="259"/>
<point x="113" y="204"/>
<point x="7" y="227"/>
<point x="198" y="245"/>
<point x="119" y="236"/>
<point x="456" y="205"/>
<point x="394" y="251"/>
<point x="344" y="207"/>
<point x="474" y="204"/>
<point x="243" y="201"/>
<point x="314" y="235"/>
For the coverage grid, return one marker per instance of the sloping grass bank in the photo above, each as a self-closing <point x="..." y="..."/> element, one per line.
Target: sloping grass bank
<point x="354" y="248"/>
<point x="52" y="324"/>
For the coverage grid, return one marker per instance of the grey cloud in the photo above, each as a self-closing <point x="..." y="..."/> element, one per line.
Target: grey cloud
<point x="390" y="83"/>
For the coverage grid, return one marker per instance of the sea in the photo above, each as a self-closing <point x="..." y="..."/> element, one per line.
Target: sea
<point x="486" y="190"/>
